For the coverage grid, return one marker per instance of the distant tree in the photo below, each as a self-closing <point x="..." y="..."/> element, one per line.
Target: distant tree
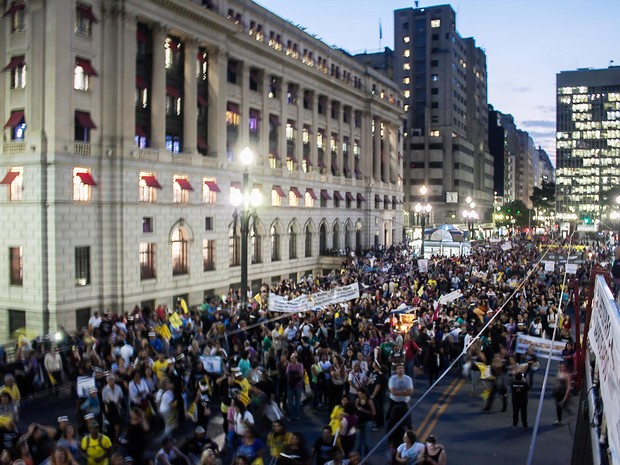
<point x="543" y="199"/>
<point x="516" y="210"/>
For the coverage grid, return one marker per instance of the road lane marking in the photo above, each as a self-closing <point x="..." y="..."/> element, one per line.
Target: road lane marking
<point x="436" y="405"/>
<point x="442" y="409"/>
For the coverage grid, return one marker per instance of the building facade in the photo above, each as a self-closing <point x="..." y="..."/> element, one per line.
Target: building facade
<point x="125" y="120"/>
<point x="587" y="145"/>
<point x="444" y="82"/>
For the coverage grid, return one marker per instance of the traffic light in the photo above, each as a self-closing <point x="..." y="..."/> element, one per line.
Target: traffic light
<point x="587" y="220"/>
<point x="518" y="212"/>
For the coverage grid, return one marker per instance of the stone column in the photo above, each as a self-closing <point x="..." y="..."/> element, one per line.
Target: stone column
<point x="217" y="102"/>
<point x="190" y="92"/>
<point x="244" y="107"/>
<point x="158" y="89"/>
<point x="377" y="150"/>
<point x="385" y="156"/>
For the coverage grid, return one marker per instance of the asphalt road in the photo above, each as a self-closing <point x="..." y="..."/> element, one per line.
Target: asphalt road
<point x="450" y="411"/>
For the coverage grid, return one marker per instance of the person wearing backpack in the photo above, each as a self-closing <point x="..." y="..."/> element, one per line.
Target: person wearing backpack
<point x="96" y="447"/>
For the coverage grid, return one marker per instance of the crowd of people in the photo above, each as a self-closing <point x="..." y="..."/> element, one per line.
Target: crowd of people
<point x="138" y="377"/>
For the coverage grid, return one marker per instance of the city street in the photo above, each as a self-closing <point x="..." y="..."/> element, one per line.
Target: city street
<point x="450" y="412"/>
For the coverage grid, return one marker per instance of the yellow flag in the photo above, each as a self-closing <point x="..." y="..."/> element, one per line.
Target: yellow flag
<point x="175" y="320"/>
<point x="258" y="298"/>
<point x="420" y="291"/>
<point x="184" y="306"/>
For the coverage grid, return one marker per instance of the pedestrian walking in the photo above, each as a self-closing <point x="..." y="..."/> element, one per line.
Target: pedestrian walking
<point x="520" y="389"/>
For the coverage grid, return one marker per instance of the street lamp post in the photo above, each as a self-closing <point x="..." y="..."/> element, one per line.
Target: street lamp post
<point x="247" y="200"/>
<point x="471" y="216"/>
<point x="423" y="211"/>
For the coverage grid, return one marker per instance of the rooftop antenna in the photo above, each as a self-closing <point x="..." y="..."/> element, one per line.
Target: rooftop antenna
<point x="417" y="4"/>
<point x="611" y="63"/>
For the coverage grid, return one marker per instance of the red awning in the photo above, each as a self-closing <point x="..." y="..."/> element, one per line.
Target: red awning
<point x="151" y="181"/>
<point x="184" y="184"/>
<point x="202" y="143"/>
<point x="14" y="8"/>
<point x="86" y="66"/>
<point x="307" y="160"/>
<point x="235" y="185"/>
<point x="10" y="177"/>
<point x="232" y="107"/>
<point x="14" y="119"/>
<point x="295" y="191"/>
<point x="141" y="82"/>
<point x="212" y="186"/>
<point x="325" y="195"/>
<point x="173" y="92"/>
<point x="360" y="197"/>
<point x="377" y="198"/>
<point x="274" y="154"/>
<point x="321" y="163"/>
<point x="394" y="201"/>
<point x="202" y="101"/>
<point x="338" y="195"/>
<point x="87" y="179"/>
<point x="386" y="199"/>
<point x="279" y="191"/>
<point x="291" y="158"/>
<point x="14" y="63"/>
<point x="87" y="12"/>
<point x="83" y="119"/>
<point x="312" y="194"/>
<point x="350" y="197"/>
<point x="140" y="132"/>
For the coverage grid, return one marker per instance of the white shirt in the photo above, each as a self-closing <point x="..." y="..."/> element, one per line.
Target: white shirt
<point x="165" y="404"/>
<point x="127" y="353"/>
<point x="397" y="383"/>
<point x="137" y="392"/>
<point x="94" y="321"/>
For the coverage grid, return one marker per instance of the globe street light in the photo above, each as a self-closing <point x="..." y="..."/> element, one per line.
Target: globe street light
<point x="423" y="211"/>
<point x="471" y="216"/>
<point x="247" y="201"/>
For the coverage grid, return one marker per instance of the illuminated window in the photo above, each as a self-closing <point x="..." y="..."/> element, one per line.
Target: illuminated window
<point x="407" y="93"/>
<point x="208" y="254"/>
<point x="180" y="189"/>
<point x="209" y="191"/>
<point x="180" y="246"/>
<point x="406" y="66"/>
<point x="305" y="136"/>
<point x="147" y="261"/>
<point x="435" y="133"/>
<point x="407" y="53"/>
<point x="82" y="72"/>
<point x="290" y="131"/>
<point x="293" y="201"/>
<point x="435" y="23"/>
<point x="169" y="50"/>
<point x="434" y="77"/>
<point x="309" y="199"/>
<point x="17" y="68"/>
<point x="276" y="200"/>
<point x="147" y="187"/>
<point x="406" y="80"/>
<point x="82" y="184"/>
<point x="234" y="247"/>
<point x="16" y="14"/>
<point x="406" y="39"/>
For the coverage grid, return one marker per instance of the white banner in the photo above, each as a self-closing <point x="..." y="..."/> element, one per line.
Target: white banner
<point x="541" y="346"/>
<point x="549" y="266"/>
<point x="571" y="268"/>
<point x="604" y="335"/>
<point x="451" y="297"/>
<point x="506" y="246"/>
<point x="423" y="266"/>
<point x="303" y="303"/>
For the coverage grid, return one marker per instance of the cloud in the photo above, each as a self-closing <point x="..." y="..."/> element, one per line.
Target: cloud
<point x="521" y="89"/>
<point x="539" y="123"/>
<point x="534" y="134"/>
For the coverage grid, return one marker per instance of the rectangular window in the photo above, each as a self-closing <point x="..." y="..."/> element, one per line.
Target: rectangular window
<point x="83" y="126"/>
<point x="17" y="320"/>
<point x="147" y="224"/>
<point x="209" y="191"/>
<point x="82" y="72"/>
<point x="208" y="254"/>
<point x="16" y="13"/>
<point x="293" y="200"/>
<point x="147" y="261"/>
<point x="16" y="260"/>
<point x="82" y="316"/>
<point x="82" y="266"/>
<point x="180" y="189"/>
<point x="309" y="198"/>
<point x="435" y="23"/>
<point x="208" y="223"/>
<point x="276" y="200"/>
<point x="15" y="180"/>
<point x="82" y="184"/>
<point x="147" y="187"/>
<point x="17" y="68"/>
<point x="84" y="20"/>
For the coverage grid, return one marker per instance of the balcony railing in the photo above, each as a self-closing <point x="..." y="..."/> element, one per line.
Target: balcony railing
<point x="82" y="149"/>
<point x="14" y="147"/>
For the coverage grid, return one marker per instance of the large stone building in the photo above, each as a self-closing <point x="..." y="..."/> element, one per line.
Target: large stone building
<point x="588" y="145"/>
<point x="125" y="120"/>
<point x="444" y="82"/>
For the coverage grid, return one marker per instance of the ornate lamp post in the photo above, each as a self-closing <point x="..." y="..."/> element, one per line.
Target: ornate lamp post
<point x="423" y="210"/>
<point x="247" y="200"/>
<point x="471" y="216"/>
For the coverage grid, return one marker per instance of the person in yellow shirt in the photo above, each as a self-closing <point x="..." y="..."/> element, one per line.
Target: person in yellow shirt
<point x="96" y="447"/>
<point x="11" y="388"/>
<point x="160" y="366"/>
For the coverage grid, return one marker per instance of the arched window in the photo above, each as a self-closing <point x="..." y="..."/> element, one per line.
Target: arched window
<point x="275" y="245"/>
<point x="179" y="253"/>
<point x="336" y="237"/>
<point x="347" y="236"/>
<point x="292" y="243"/>
<point x="358" y="236"/>
<point x="323" y="240"/>
<point x="308" y="242"/>
<point x="234" y="247"/>
<point x="256" y="245"/>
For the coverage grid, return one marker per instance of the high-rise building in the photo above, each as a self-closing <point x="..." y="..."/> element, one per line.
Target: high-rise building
<point x="125" y="121"/>
<point x="444" y="82"/>
<point x="588" y="145"/>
